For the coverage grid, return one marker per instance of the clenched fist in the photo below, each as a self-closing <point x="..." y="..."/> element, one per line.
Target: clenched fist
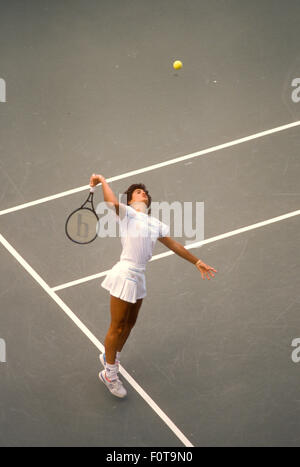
<point x="95" y="179"/>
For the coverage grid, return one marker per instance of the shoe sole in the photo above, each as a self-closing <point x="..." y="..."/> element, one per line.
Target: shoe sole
<point x="103" y="381"/>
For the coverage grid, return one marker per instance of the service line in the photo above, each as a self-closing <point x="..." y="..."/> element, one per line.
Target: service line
<point x="188" y="247"/>
<point x="155" y="166"/>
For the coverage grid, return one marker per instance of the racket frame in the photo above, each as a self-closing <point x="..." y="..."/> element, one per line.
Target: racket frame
<point x="89" y="200"/>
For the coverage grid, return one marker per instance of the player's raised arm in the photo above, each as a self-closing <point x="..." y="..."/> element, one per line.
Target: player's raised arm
<point x="108" y="194"/>
<point x="179" y="249"/>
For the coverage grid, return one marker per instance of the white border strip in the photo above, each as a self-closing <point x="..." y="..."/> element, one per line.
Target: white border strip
<point x="94" y="340"/>
<point x="155" y="166"/>
<point x="188" y="247"/>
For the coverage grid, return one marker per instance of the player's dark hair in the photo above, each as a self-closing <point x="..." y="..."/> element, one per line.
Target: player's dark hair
<point x="135" y="186"/>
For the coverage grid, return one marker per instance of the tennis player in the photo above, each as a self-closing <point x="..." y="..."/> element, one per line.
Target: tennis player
<point x="126" y="280"/>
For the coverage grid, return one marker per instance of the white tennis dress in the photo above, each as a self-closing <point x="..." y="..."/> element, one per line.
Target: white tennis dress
<point x="139" y="232"/>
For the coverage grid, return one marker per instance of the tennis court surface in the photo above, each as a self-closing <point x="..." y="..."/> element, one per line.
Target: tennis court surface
<point x="89" y="87"/>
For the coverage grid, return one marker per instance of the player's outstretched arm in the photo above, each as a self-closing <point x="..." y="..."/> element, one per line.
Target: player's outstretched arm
<point x="178" y="248"/>
<point x="108" y="194"/>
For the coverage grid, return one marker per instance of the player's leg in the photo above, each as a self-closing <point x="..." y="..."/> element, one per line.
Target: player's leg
<point x="123" y="318"/>
<point x="130" y="322"/>
<point x="119" y="310"/>
<point x="109" y="376"/>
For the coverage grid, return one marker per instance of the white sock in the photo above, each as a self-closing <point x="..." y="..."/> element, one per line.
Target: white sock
<point x="111" y="371"/>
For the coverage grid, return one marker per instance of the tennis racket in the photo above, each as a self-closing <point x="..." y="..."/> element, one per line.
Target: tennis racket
<point x="82" y="224"/>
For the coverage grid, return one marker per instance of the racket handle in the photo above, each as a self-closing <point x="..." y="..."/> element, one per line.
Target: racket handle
<point x="92" y="189"/>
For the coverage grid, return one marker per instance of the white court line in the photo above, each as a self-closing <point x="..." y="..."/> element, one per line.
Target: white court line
<point x="188" y="247"/>
<point x="94" y="340"/>
<point x="155" y="166"/>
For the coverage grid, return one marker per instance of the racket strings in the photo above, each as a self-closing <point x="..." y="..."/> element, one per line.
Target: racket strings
<point x="81" y="225"/>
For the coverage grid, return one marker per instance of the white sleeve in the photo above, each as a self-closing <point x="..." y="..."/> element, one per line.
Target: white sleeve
<point x="164" y="230"/>
<point x="126" y="211"/>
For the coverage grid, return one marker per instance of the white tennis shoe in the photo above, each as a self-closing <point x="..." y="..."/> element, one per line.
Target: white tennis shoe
<point x="114" y="386"/>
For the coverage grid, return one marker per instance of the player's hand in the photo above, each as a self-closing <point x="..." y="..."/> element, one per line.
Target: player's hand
<point x="95" y="179"/>
<point x="205" y="269"/>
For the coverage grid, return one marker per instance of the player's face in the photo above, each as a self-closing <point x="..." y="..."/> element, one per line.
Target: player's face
<point x="139" y="195"/>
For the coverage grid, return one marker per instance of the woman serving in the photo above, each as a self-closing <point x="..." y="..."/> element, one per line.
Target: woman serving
<point x="126" y="280"/>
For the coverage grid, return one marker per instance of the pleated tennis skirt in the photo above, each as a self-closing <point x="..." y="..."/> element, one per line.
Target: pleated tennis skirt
<point x="126" y="281"/>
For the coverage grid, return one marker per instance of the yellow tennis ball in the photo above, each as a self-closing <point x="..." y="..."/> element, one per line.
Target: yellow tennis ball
<point x="177" y="65"/>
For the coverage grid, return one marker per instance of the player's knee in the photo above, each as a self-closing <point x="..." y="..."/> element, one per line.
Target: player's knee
<point x="119" y="329"/>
